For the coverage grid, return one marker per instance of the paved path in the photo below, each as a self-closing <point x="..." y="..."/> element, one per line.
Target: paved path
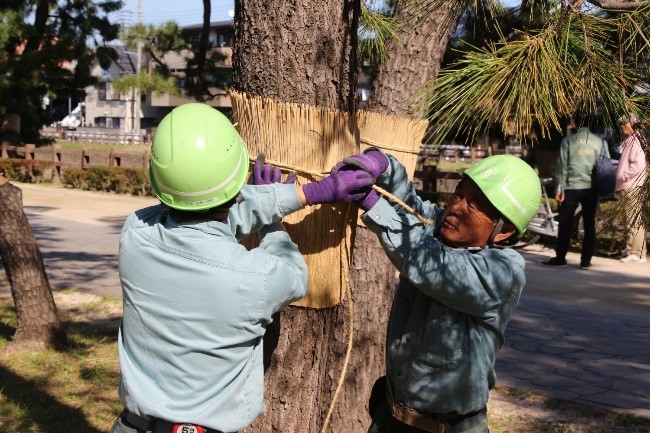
<point x="577" y="335"/>
<point x="78" y="234"/>
<point x="582" y="335"/>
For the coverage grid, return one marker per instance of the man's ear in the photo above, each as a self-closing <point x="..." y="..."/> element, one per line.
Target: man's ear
<point x="507" y="231"/>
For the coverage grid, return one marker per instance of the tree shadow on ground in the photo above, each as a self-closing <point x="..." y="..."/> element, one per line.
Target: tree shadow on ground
<point x="31" y="404"/>
<point x="40" y="408"/>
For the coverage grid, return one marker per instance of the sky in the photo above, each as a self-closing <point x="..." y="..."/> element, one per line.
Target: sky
<point x="185" y="13"/>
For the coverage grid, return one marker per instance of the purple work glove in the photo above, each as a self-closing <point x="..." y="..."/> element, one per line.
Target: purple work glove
<point x="266" y="174"/>
<point x="368" y="201"/>
<point x="342" y="186"/>
<point x="371" y="161"/>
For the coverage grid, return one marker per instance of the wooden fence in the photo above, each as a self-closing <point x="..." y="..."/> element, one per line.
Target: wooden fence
<point x="60" y="159"/>
<point x="102" y="136"/>
<point x="426" y="178"/>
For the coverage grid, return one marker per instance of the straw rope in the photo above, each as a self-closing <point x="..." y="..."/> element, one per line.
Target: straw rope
<point x="383" y="146"/>
<point x="346" y="361"/>
<point x="406" y="207"/>
<point x="292" y="168"/>
<point x="380" y="190"/>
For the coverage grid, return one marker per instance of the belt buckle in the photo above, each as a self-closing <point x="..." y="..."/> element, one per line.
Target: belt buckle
<point x="188" y="428"/>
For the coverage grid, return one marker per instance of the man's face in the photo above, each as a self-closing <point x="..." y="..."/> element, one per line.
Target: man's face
<point x="469" y="217"/>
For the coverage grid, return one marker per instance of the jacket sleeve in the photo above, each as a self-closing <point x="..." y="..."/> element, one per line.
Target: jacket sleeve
<point x="395" y="180"/>
<point x="287" y="270"/>
<point x="606" y="149"/>
<point x="632" y="163"/>
<point x="261" y="205"/>
<point x="478" y="283"/>
<point x="561" y="167"/>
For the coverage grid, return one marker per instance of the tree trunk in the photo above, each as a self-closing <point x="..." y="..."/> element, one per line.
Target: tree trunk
<point x="297" y="51"/>
<point x="304" y="52"/>
<point x="415" y="58"/>
<point x="38" y="319"/>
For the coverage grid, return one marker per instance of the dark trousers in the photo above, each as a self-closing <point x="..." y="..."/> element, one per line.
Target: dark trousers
<point x="588" y="199"/>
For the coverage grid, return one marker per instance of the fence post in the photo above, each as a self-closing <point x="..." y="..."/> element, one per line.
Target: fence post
<point x="145" y="159"/>
<point x="29" y="151"/>
<point x="114" y="160"/>
<point x="85" y="158"/>
<point x="56" y="160"/>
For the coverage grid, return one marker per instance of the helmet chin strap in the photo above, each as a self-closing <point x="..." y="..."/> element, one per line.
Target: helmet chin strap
<point x="496" y="229"/>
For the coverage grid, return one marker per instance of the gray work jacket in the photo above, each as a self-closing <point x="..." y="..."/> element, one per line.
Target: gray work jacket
<point x="450" y="309"/>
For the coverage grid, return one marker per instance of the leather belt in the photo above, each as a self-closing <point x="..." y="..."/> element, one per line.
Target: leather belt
<point x="448" y="423"/>
<point x="412" y="417"/>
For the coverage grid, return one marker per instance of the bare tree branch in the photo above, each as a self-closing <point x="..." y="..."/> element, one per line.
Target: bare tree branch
<point x="620" y="4"/>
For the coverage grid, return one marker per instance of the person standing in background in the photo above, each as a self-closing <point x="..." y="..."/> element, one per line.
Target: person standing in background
<point x="631" y="175"/>
<point x="578" y="153"/>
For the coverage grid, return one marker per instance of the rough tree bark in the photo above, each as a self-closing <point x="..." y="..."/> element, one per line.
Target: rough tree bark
<point x="38" y="318"/>
<point x="414" y="59"/>
<point x="305" y="52"/>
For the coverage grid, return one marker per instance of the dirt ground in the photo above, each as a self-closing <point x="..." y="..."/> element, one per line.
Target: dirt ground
<point x="510" y="410"/>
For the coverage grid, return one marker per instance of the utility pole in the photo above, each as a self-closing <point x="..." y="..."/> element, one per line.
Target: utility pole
<point x="138" y="95"/>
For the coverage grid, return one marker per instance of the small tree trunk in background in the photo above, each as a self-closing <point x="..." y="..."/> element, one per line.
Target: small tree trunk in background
<point x="38" y="318"/>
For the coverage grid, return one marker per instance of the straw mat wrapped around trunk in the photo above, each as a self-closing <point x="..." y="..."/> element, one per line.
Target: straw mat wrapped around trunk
<point x="309" y="141"/>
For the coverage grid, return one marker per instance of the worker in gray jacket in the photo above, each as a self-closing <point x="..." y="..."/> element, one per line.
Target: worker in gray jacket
<point x="573" y="183"/>
<point x="457" y="290"/>
<point x="196" y="302"/>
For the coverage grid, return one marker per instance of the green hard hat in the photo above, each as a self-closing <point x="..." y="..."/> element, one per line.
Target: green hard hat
<point x="511" y="185"/>
<point x="198" y="159"/>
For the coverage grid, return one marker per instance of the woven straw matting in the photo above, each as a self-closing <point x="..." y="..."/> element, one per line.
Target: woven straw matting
<point x="310" y="140"/>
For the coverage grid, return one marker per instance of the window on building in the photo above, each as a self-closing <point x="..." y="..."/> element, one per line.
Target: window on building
<point x="223" y="39"/>
<point x="107" y="93"/>
<point x="108" y="122"/>
<point x="106" y="75"/>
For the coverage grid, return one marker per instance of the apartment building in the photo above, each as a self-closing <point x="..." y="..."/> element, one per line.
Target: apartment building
<point x="104" y="107"/>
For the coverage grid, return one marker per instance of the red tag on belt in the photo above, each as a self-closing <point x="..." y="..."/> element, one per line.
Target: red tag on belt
<point x="188" y="428"/>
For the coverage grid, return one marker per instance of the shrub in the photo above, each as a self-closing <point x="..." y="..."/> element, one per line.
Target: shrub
<point x="133" y="181"/>
<point x="24" y="170"/>
<point x="37" y="170"/>
<point x="121" y="180"/>
<point x="73" y="178"/>
<point x="99" y="178"/>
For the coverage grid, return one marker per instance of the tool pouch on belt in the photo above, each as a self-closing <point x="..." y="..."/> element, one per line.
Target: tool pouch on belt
<point x="161" y="426"/>
<point x="187" y="428"/>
